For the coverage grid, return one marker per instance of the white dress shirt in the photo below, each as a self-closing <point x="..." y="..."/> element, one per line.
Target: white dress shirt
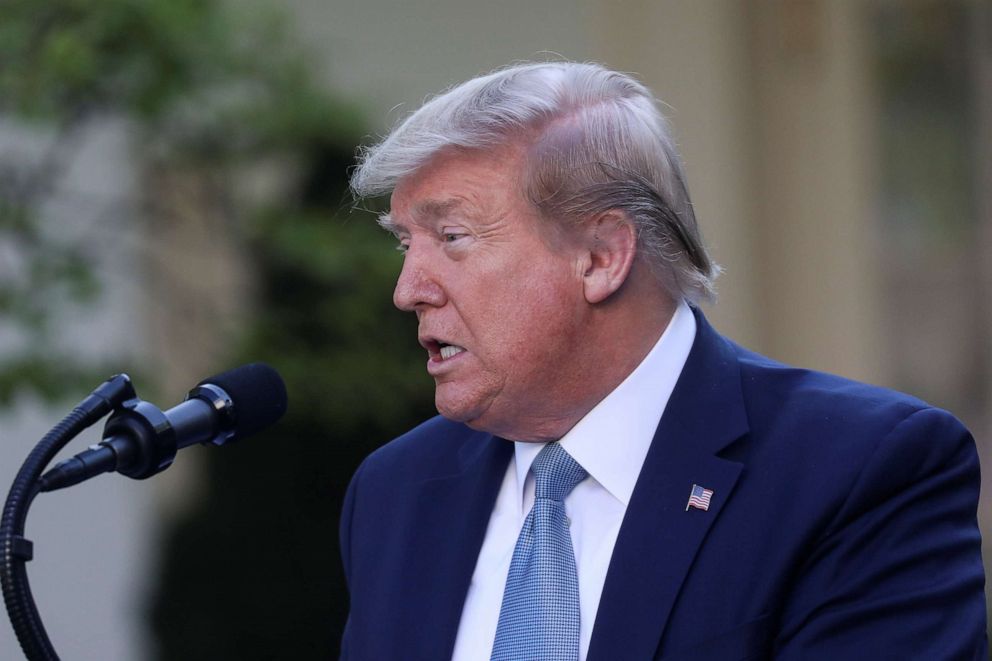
<point x="610" y="443"/>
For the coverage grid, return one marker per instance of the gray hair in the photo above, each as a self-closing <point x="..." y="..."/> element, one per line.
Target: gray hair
<point x="595" y="141"/>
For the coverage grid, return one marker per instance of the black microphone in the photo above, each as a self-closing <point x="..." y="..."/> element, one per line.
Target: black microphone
<point x="140" y="440"/>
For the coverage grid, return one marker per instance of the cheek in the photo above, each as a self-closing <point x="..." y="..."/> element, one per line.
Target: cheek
<point x="536" y="323"/>
<point x="522" y="310"/>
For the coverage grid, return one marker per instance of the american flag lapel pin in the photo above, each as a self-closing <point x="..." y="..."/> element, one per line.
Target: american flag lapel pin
<point x="699" y="498"/>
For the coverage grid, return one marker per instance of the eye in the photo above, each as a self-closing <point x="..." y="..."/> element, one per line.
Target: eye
<point x="452" y="235"/>
<point x="402" y="242"/>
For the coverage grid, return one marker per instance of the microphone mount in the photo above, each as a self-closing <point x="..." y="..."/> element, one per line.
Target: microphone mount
<point x="139" y="440"/>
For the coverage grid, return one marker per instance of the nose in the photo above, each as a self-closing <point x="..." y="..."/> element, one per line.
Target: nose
<point x="418" y="285"/>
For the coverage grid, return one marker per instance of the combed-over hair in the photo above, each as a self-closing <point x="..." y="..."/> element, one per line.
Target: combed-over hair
<point x="595" y="141"/>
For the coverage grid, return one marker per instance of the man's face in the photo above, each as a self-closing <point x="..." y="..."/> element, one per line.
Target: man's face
<point x="499" y="298"/>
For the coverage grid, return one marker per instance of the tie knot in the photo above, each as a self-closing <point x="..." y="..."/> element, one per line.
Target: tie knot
<point x="555" y="472"/>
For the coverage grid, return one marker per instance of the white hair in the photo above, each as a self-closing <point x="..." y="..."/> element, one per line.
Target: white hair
<point x="595" y="142"/>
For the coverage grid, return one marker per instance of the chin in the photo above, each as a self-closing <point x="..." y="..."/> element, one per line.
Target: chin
<point x="454" y="410"/>
<point x="470" y="412"/>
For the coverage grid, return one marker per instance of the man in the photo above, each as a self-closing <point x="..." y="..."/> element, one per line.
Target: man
<point x="609" y="478"/>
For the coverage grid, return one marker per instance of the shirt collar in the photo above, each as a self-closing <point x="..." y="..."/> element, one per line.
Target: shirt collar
<point x="611" y="441"/>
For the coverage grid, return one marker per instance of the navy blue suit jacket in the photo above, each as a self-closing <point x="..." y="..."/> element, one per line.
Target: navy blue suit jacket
<point x="842" y="526"/>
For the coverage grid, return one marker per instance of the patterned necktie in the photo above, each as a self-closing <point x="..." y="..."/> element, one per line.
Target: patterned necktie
<point x="539" y="618"/>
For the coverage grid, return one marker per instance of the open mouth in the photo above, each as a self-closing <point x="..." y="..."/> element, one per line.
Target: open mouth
<point x="449" y="350"/>
<point x="438" y="350"/>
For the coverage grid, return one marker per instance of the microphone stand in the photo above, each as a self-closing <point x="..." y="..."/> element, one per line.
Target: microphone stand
<point x="15" y="549"/>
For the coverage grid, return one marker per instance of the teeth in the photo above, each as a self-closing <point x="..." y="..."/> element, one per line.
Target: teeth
<point x="449" y="350"/>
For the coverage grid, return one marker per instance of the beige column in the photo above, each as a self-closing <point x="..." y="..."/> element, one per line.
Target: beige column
<point x="772" y="108"/>
<point x="692" y="54"/>
<point x="816" y="162"/>
<point x="199" y="294"/>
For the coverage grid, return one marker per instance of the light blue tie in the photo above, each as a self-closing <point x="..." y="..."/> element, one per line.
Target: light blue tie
<point x="539" y="618"/>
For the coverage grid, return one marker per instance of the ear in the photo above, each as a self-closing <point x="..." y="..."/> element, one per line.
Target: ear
<point x="612" y="247"/>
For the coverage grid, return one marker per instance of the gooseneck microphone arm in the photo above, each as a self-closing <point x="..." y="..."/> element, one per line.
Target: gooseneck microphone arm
<point x="139" y="440"/>
<point x="15" y="550"/>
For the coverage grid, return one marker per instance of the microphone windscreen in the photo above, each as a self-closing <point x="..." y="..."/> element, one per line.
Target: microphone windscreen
<point x="258" y="395"/>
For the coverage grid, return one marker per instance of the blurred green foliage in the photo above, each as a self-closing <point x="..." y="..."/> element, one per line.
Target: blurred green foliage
<point x="255" y="572"/>
<point x="201" y="78"/>
<point x="251" y="571"/>
<point x="199" y="83"/>
<point x="36" y="273"/>
<point x="66" y="56"/>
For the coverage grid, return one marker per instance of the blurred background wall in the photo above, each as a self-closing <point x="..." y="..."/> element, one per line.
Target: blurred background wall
<point x="183" y="165"/>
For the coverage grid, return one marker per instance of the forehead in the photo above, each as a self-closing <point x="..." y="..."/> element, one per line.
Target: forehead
<point x="429" y="209"/>
<point x="458" y="182"/>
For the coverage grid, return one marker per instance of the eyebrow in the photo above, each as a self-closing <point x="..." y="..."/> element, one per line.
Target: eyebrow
<point x="427" y="210"/>
<point x="434" y="209"/>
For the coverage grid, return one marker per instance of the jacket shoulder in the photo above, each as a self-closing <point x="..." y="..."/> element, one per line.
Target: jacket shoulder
<point x="432" y="447"/>
<point x="778" y="392"/>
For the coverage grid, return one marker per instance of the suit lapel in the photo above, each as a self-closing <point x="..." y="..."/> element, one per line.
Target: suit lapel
<point x="453" y="515"/>
<point x="659" y="539"/>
